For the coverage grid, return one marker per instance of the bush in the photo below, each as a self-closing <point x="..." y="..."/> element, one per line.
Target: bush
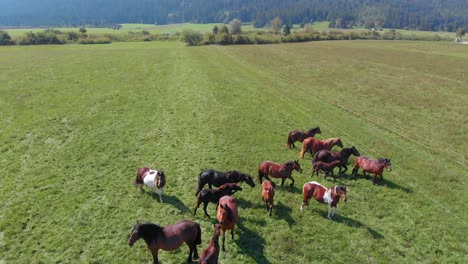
<point x="5" y="39"/>
<point x="94" y="40"/>
<point x="191" y="37"/>
<point x="224" y="39"/>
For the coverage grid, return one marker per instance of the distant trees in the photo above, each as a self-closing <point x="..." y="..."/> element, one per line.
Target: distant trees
<point x="286" y="30"/>
<point x="276" y="25"/>
<point x="5" y="39"/>
<point x="236" y="26"/>
<point x="460" y="33"/>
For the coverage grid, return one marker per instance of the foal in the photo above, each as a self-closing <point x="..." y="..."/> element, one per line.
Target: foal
<point x="211" y="253"/>
<point x="325" y="167"/>
<point x="268" y="193"/>
<point x="213" y="195"/>
<point x="151" y="178"/>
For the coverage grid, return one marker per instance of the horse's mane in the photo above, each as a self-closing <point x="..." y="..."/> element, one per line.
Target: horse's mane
<point x="150" y="232"/>
<point x="382" y="160"/>
<point x="229" y="212"/>
<point x="313" y="129"/>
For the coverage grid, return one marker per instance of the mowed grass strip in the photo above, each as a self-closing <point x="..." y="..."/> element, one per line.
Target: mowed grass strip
<point x="77" y="121"/>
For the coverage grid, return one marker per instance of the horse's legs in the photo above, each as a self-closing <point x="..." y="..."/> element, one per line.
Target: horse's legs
<point x="224" y="237"/>
<point x="292" y="183"/>
<point x="160" y="191"/>
<point x="282" y="181"/>
<point x="154" y="252"/>
<point x="209" y="185"/>
<point x="232" y="233"/>
<point x="329" y="211"/>
<point x="196" y="207"/>
<point x="205" y="205"/>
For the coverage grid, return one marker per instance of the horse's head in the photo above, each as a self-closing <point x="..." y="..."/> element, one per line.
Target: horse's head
<point x="160" y="179"/>
<point x="355" y="152"/>
<point x="315" y="130"/>
<point x="341" y="191"/>
<point x="248" y="179"/>
<point x="296" y="166"/>
<point x="134" y="235"/>
<point x="388" y="164"/>
<point x="339" y="143"/>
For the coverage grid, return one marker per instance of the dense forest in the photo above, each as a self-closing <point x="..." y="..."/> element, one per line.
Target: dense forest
<point x="443" y="15"/>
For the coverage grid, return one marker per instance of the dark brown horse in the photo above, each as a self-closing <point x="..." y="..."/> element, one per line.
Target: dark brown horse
<point x="314" y="145"/>
<point x="168" y="238"/>
<point x="283" y="171"/>
<point x="372" y="166"/>
<point x="342" y="155"/>
<point x="322" y="194"/>
<point x="268" y="194"/>
<point x="297" y="135"/>
<point x="326" y="167"/>
<point x="227" y="215"/>
<point x="218" y="178"/>
<point x="213" y="195"/>
<point x="211" y="253"/>
<point x="151" y="178"/>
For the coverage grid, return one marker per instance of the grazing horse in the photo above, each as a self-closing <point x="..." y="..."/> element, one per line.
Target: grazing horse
<point x="326" y="167"/>
<point x="227" y="215"/>
<point x="283" y="171"/>
<point x="372" y="166"/>
<point x="322" y="194"/>
<point x="211" y="253"/>
<point x="297" y="135"/>
<point x="314" y="145"/>
<point x="151" y="178"/>
<point x="213" y="195"/>
<point x="218" y="178"/>
<point x="342" y="155"/>
<point x="268" y="193"/>
<point x="168" y="238"/>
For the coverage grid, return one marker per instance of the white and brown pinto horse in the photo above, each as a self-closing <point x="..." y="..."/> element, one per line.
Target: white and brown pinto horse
<point x="322" y="194"/>
<point x="151" y="178"/>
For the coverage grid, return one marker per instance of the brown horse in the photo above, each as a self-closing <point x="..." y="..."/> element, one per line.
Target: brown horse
<point x="268" y="193"/>
<point x="342" y="155"/>
<point x="326" y="167"/>
<point x="297" y="135"/>
<point x="151" y="178"/>
<point x="227" y="215"/>
<point x="322" y="194"/>
<point x="283" y="171"/>
<point x="168" y="238"/>
<point x="211" y="253"/>
<point x="314" y="145"/>
<point x="372" y="166"/>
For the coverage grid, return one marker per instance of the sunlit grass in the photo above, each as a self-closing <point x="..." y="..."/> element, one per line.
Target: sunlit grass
<point x="77" y="121"/>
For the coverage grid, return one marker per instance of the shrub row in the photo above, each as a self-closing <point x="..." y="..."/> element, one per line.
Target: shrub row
<point x="193" y="38"/>
<point x="52" y="36"/>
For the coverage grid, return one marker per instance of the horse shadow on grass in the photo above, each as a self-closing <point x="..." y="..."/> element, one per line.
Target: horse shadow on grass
<point x="251" y="244"/>
<point x="354" y="224"/>
<point x="176" y="202"/>
<point x="384" y="183"/>
<point x="284" y="212"/>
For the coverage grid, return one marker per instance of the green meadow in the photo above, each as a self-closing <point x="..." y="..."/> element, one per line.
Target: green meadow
<point x="77" y="121"/>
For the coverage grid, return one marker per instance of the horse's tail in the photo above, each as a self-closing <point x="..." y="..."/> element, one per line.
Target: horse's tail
<point x="288" y="145"/>
<point x="200" y="184"/>
<point x="198" y="238"/>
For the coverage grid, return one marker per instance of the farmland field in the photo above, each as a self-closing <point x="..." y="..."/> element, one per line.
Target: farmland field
<point x="76" y="121"/>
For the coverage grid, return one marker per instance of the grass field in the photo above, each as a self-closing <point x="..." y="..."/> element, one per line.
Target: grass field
<point x="76" y="121"/>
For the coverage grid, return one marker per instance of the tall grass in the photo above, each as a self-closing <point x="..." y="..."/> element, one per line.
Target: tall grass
<point x="77" y="121"/>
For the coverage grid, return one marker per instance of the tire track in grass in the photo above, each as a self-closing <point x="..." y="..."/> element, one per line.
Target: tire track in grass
<point x="303" y="111"/>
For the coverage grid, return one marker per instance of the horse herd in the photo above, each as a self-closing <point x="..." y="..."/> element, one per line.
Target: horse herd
<point x="324" y="159"/>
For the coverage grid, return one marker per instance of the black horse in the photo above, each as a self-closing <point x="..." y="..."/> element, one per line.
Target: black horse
<point x="342" y="155"/>
<point x="218" y="178"/>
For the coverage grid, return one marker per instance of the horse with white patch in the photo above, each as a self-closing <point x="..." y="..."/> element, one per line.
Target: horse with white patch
<point x="151" y="178"/>
<point x="322" y="194"/>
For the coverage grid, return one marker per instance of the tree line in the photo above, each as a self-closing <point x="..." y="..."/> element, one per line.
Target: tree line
<point x="434" y="15"/>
